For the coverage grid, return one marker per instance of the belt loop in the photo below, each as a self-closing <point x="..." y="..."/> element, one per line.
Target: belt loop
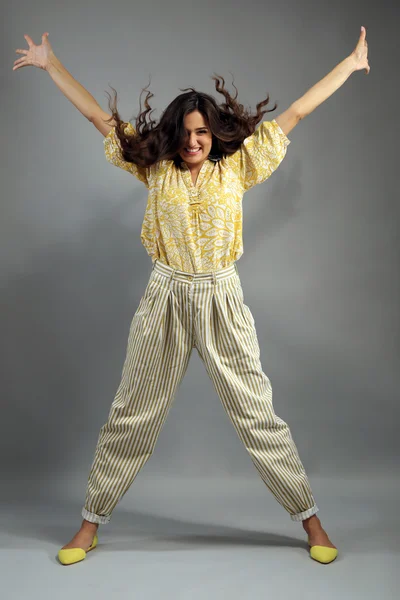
<point x="214" y="281"/>
<point x="237" y="272"/>
<point x="171" y="279"/>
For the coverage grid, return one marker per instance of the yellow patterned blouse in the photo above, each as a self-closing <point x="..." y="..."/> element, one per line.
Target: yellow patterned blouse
<point x="198" y="228"/>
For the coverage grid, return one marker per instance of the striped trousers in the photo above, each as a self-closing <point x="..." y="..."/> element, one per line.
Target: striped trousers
<point x="180" y="311"/>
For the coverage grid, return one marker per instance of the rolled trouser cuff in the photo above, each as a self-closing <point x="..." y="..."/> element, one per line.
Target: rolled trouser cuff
<point x="93" y="518"/>
<point x="306" y="514"/>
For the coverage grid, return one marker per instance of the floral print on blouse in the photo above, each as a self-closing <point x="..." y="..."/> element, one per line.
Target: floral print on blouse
<point x="198" y="228"/>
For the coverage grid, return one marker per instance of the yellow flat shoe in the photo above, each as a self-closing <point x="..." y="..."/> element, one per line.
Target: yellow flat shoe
<point x="68" y="556"/>
<point x="323" y="554"/>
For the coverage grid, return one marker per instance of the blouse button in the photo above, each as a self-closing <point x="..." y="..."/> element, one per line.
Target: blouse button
<point x="194" y="196"/>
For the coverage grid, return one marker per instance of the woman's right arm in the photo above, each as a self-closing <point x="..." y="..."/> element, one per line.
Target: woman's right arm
<point x="43" y="57"/>
<point x="78" y="95"/>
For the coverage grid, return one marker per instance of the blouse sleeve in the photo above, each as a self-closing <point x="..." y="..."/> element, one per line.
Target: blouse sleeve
<point x="260" y="154"/>
<point x="113" y="152"/>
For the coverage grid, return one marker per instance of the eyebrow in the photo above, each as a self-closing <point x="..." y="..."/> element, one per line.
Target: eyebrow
<point x="198" y="128"/>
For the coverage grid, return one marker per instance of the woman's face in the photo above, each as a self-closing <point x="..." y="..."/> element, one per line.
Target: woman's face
<point x="198" y="138"/>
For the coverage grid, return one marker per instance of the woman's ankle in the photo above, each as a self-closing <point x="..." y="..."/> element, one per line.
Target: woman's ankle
<point x="89" y="525"/>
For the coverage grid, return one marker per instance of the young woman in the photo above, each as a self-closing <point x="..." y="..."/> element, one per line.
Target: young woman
<point x="197" y="163"/>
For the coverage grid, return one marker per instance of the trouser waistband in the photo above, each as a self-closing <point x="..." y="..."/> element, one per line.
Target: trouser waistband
<point x="176" y="274"/>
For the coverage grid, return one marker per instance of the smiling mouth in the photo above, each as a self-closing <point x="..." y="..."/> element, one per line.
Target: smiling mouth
<point x="192" y="152"/>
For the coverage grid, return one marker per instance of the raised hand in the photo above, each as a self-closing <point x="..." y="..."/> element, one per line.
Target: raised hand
<point x="36" y="56"/>
<point x="360" y="52"/>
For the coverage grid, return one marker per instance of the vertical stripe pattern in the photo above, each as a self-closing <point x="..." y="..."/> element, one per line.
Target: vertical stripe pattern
<point x="180" y="311"/>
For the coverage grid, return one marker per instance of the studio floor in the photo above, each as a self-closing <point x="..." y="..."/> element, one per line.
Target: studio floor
<point x="198" y="539"/>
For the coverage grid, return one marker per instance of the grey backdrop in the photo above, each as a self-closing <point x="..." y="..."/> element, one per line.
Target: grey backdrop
<point x="320" y="271"/>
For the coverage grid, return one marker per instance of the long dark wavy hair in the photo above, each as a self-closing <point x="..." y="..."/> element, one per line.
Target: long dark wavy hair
<point x="230" y="123"/>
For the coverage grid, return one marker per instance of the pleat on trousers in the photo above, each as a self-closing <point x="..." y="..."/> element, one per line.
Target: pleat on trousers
<point x="180" y="311"/>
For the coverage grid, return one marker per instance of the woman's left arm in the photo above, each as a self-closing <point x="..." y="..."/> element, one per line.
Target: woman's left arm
<point x="302" y="107"/>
